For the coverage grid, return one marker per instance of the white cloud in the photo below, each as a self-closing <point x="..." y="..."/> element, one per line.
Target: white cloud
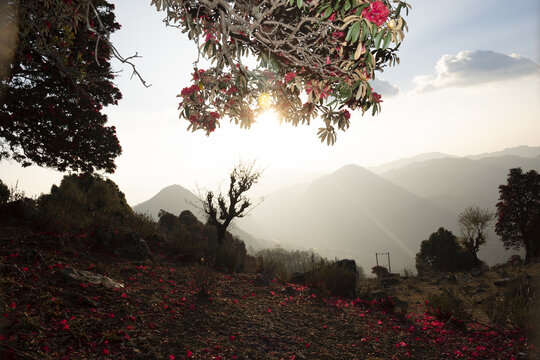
<point x="384" y="88"/>
<point x="469" y="68"/>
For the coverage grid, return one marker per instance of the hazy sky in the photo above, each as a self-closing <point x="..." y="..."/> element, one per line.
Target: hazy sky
<point x="468" y="82"/>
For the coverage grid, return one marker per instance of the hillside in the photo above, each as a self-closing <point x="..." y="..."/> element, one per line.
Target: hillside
<point x="153" y="310"/>
<point x="352" y="213"/>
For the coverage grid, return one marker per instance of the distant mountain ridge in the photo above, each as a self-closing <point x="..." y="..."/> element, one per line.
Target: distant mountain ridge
<point x="354" y="212"/>
<point x="521" y="151"/>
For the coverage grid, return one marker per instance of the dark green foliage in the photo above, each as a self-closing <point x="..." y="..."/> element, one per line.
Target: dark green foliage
<point x="518" y="212"/>
<point x="84" y="202"/>
<point x="53" y="91"/>
<point x="195" y="241"/>
<point x="442" y="252"/>
<point x="4" y="192"/>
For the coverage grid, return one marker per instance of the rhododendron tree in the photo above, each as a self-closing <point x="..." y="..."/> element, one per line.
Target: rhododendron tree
<point x="55" y="79"/>
<point x="315" y="58"/>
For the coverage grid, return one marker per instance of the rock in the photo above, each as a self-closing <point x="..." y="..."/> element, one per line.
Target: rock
<point x="504" y="282"/>
<point x="126" y="243"/>
<point x="134" y="246"/>
<point x="389" y="281"/>
<point x="89" y="277"/>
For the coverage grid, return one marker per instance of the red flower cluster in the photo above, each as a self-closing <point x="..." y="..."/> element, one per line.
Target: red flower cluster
<point x="376" y="97"/>
<point x="289" y="76"/>
<point x="377" y="12"/>
<point x="187" y="91"/>
<point x="346" y="114"/>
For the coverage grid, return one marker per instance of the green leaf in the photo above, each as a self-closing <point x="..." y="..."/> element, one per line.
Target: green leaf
<point x="355" y="31"/>
<point x="327" y="13"/>
<point x="378" y="39"/>
<point x="347" y="5"/>
<point x="387" y="40"/>
<point x="299" y="3"/>
<point x="365" y="31"/>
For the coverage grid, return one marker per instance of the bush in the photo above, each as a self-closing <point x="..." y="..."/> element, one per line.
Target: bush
<point x="4" y="193"/>
<point x="379" y="271"/>
<point x="515" y="307"/>
<point x="442" y="252"/>
<point x="84" y="202"/>
<point x="195" y="241"/>
<point x="448" y="306"/>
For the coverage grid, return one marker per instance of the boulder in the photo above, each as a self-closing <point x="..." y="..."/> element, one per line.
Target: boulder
<point x="134" y="246"/>
<point x="89" y="277"/>
<point x="504" y="282"/>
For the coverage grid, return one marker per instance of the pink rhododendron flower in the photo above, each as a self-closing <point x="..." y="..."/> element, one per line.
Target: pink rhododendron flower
<point x="289" y="76"/>
<point x="376" y="13"/>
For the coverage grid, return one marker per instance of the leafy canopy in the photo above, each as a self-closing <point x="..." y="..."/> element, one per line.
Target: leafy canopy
<point x="315" y="58"/>
<point x="55" y="79"/>
<point x="442" y="252"/>
<point x="518" y="212"/>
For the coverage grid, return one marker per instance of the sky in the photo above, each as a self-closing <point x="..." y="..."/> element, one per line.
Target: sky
<point x="468" y="83"/>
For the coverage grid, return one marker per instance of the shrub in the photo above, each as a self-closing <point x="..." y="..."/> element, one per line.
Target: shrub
<point x="84" y="202"/>
<point x="194" y="241"/>
<point x="4" y="192"/>
<point x="447" y="306"/>
<point x="516" y="306"/>
<point x="442" y="252"/>
<point x="379" y="271"/>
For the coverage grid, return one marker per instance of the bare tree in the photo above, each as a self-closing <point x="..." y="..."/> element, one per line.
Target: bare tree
<point x="473" y="222"/>
<point x="224" y="209"/>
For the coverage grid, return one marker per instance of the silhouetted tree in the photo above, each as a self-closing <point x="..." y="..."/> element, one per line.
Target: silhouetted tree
<point x="223" y="210"/>
<point x="442" y="252"/>
<point x="55" y="80"/>
<point x="518" y="212"/>
<point x="473" y="222"/>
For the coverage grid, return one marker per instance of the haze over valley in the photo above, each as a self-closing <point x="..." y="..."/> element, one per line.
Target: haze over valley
<point x="354" y="212"/>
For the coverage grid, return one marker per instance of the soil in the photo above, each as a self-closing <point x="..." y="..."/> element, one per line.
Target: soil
<point x="168" y="309"/>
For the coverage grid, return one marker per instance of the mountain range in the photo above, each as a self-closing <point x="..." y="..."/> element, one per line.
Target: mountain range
<point x="355" y="213"/>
